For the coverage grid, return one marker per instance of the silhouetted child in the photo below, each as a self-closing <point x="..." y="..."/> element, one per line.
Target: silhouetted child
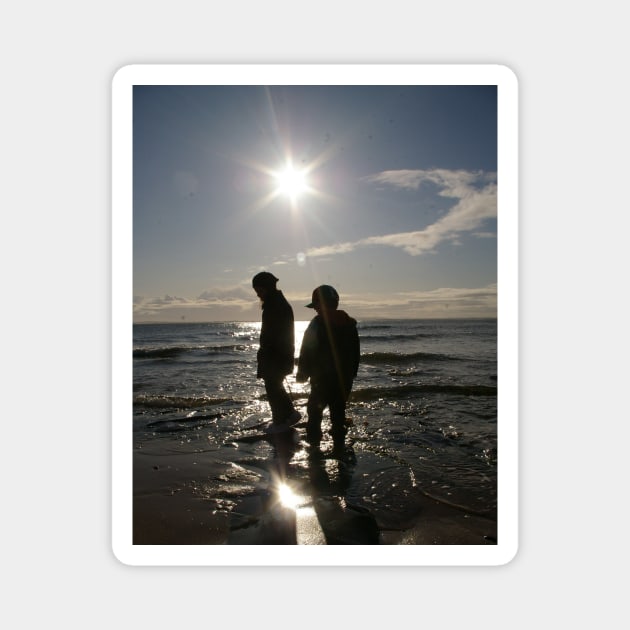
<point x="329" y="356"/>
<point x="275" y="355"/>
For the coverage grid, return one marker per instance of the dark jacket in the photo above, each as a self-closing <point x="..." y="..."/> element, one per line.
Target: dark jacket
<point x="330" y="350"/>
<point x="277" y="337"/>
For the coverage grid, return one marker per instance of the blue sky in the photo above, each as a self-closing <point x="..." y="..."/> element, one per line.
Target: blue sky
<point x="398" y="211"/>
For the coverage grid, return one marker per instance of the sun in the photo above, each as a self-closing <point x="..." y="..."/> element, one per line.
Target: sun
<point x="291" y="182"/>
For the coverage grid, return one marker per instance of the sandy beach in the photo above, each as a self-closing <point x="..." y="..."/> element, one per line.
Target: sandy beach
<point x="361" y="500"/>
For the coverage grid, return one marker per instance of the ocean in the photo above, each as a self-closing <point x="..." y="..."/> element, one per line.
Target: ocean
<point x="422" y="426"/>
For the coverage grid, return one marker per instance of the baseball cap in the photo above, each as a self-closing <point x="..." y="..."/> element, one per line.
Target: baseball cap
<point x="324" y="294"/>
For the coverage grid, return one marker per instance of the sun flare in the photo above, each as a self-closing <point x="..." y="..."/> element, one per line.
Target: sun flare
<point x="291" y="182"/>
<point x="287" y="497"/>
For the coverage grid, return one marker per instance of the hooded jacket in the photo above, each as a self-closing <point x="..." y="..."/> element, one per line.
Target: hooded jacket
<point x="330" y="350"/>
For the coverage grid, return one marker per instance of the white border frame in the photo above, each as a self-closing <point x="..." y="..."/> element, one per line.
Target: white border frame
<point x="122" y="292"/>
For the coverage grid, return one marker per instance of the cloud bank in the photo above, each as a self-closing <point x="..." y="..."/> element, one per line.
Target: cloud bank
<point x="235" y="304"/>
<point x="436" y="303"/>
<point x="231" y="303"/>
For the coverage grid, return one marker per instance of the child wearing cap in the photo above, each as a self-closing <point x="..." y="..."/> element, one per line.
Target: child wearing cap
<point x="329" y="356"/>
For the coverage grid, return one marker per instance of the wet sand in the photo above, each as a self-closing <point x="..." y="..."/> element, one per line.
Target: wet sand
<point x="362" y="499"/>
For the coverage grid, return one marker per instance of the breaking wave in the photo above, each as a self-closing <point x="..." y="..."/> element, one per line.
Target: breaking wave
<point x="397" y="357"/>
<point x="404" y="391"/>
<point x="176" y="351"/>
<point x="177" y="402"/>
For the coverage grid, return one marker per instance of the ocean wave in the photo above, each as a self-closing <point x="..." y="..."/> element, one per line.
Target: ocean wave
<point x="157" y="353"/>
<point x="404" y="391"/>
<point x="182" y="424"/>
<point x="177" y="402"/>
<point x="397" y="357"/>
<point x="406" y="373"/>
<point x="400" y="337"/>
<point x="366" y="394"/>
<point x="175" y="351"/>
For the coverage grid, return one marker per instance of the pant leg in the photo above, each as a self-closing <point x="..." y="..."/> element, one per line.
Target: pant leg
<point x="314" y="409"/>
<point x="279" y="400"/>
<point x="338" y="399"/>
<point x="338" y="427"/>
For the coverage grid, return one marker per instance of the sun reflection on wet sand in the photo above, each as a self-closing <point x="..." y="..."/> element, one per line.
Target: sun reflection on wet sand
<point x="308" y="530"/>
<point x="287" y="497"/>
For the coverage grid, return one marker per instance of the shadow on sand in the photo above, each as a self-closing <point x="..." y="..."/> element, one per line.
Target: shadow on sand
<point x="303" y="508"/>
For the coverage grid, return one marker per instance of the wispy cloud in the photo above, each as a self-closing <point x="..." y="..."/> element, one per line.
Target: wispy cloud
<point x="235" y="294"/>
<point x="476" y="200"/>
<point x="452" y="183"/>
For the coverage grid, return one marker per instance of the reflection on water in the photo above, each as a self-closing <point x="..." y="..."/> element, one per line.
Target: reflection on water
<point x="251" y="330"/>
